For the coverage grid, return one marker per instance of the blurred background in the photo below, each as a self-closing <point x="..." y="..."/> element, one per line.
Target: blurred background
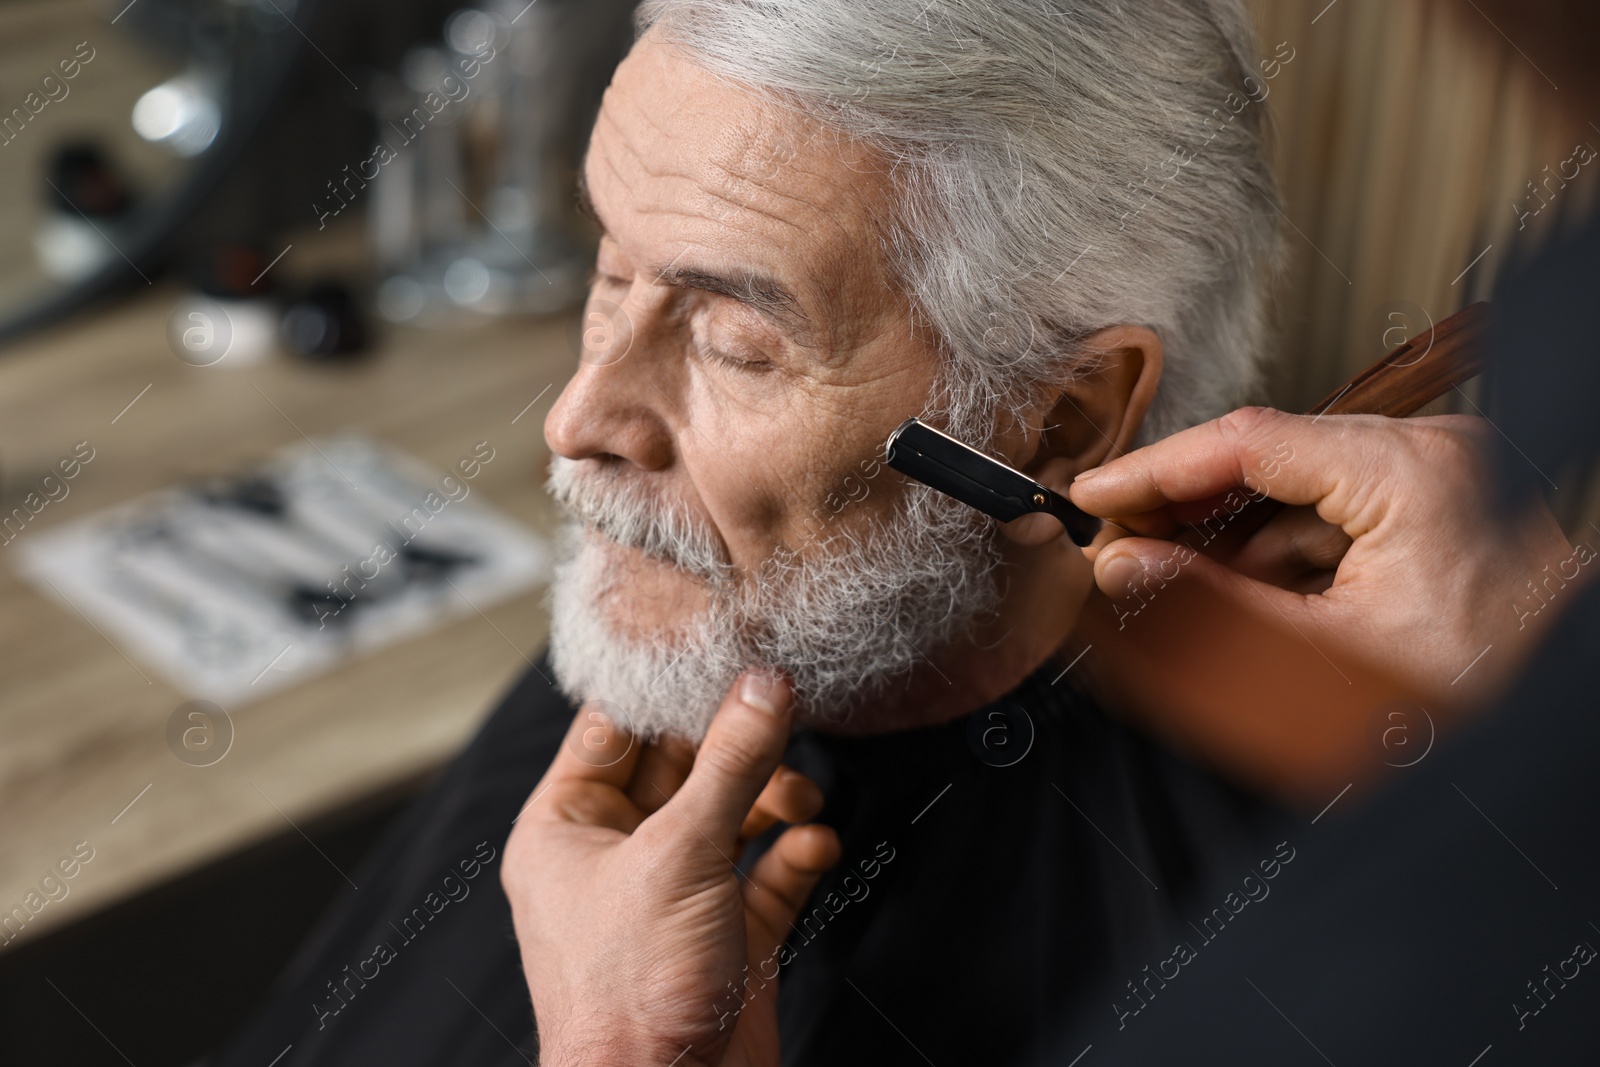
<point x="249" y="242"/>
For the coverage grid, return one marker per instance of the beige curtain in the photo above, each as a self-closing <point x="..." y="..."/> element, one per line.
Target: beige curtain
<point x="1406" y="139"/>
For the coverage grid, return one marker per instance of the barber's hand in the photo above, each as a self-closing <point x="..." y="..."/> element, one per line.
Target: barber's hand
<point x="1421" y="580"/>
<point x="635" y="930"/>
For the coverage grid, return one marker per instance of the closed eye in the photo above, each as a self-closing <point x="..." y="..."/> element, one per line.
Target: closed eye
<point x="716" y="355"/>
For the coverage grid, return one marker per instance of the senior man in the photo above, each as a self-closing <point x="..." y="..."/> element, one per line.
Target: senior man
<point x="1048" y="230"/>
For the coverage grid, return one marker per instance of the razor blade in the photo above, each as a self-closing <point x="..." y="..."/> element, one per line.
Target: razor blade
<point x="939" y="461"/>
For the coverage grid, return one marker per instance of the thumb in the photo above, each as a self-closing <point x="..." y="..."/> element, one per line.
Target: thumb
<point x="1135" y="572"/>
<point x="782" y="880"/>
<point x="739" y="754"/>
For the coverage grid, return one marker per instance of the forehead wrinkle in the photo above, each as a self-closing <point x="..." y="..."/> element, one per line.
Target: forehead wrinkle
<point x="746" y="284"/>
<point x="835" y="190"/>
<point x="851" y="265"/>
<point x="735" y="143"/>
<point x="850" y="205"/>
<point x="606" y="161"/>
<point x="666" y="172"/>
<point x="742" y="205"/>
<point x="837" y="273"/>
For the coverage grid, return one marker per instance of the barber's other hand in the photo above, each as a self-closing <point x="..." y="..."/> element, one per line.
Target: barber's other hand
<point x="1431" y="577"/>
<point x="1296" y="682"/>
<point x="630" y="917"/>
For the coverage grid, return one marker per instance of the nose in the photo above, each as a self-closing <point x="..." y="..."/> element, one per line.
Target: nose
<point x="611" y="409"/>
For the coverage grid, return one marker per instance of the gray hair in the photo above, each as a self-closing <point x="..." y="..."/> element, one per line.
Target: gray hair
<point x="1058" y="169"/>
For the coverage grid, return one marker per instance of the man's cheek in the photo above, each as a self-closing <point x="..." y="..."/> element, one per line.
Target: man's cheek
<point x="786" y="475"/>
<point x="738" y="490"/>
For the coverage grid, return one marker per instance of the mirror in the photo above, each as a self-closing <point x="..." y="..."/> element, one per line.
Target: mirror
<point x="110" y="118"/>
<point x="197" y="137"/>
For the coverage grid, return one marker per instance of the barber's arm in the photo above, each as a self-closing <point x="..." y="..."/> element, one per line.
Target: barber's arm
<point x="1270" y="671"/>
<point x="640" y="942"/>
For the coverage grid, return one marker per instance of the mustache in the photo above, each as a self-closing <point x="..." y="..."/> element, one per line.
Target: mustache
<point x="606" y="501"/>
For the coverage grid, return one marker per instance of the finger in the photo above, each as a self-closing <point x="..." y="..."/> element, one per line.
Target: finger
<point x="663" y="765"/>
<point x="1136" y="571"/>
<point x="1109" y="531"/>
<point x="789" y="796"/>
<point x="740" y="752"/>
<point x="579" y="800"/>
<point x="596" y="749"/>
<point x="1296" y="459"/>
<point x="1296" y="543"/>
<point x="782" y="881"/>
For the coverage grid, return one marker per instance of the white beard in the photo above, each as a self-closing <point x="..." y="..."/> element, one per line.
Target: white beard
<point x="846" y="620"/>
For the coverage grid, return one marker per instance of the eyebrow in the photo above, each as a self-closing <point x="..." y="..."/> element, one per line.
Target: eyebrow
<point x="760" y="292"/>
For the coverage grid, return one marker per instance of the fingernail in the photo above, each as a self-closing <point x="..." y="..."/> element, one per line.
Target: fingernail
<point x="764" y="692"/>
<point x="1084" y="476"/>
<point x="1121" y="573"/>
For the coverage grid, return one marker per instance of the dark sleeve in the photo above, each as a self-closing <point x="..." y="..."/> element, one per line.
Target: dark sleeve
<point x="1449" y="917"/>
<point x="1454" y="916"/>
<point x="1544" y="374"/>
<point x="419" y="965"/>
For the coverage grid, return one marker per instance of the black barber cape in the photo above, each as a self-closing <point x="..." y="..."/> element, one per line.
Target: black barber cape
<point x="993" y="870"/>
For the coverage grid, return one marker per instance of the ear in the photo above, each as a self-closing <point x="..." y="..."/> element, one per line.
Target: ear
<point x="1095" y="420"/>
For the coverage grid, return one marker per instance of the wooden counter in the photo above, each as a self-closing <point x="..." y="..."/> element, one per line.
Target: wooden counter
<point x="83" y="752"/>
